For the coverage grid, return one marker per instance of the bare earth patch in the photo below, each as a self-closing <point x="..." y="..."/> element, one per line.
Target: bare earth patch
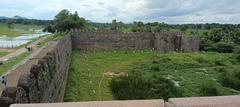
<point x="114" y="74"/>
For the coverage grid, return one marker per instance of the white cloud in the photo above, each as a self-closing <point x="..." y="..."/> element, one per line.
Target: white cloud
<point x="170" y="11"/>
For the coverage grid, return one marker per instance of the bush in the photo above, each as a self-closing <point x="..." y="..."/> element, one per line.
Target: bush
<point x="237" y="49"/>
<point x="231" y="80"/>
<point x="223" y="62"/>
<point x="209" y="89"/>
<point x="223" y="47"/>
<point x="222" y="69"/>
<point x="220" y="47"/>
<point x="204" y="47"/>
<point x="237" y="74"/>
<point x="238" y="58"/>
<point x="136" y="86"/>
<point x="155" y="68"/>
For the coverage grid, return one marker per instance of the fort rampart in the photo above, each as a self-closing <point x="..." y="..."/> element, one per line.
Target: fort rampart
<point x="114" y="40"/>
<point x="42" y="78"/>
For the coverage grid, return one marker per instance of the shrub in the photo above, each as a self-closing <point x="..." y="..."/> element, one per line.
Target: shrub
<point x="154" y="61"/>
<point x="155" y="68"/>
<point x="237" y="74"/>
<point x="220" y="47"/>
<point x="238" y="58"/>
<point x="223" y="47"/>
<point x="202" y="60"/>
<point x="136" y="86"/>
<point x="222" y="69"/>
<point x="209" y="89"/>
<point x="231" y="79"/>
<point x="237" y="49"/>
<point x="204" y="47"/>
<point x="223" y="62"/>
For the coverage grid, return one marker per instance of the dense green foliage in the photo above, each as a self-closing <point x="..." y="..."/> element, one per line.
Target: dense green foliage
<point x="65" y="21"/>
<point x="219" y="47"/>
<point x="209" y="89"/>
<point x="231" y="79"/>
<point x="139" y="86"/>
<point x="111" y="75"/>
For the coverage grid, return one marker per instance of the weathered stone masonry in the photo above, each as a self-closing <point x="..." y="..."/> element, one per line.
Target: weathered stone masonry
<point x="46" y="80"/>
<point x="113" y="40"/>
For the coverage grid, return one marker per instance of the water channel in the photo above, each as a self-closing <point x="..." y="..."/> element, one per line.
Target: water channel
<point x="8" y="42"/>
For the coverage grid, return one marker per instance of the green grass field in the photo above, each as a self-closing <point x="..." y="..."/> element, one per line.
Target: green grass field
<point x="10" y="63"/>
<point x="17" y="29"/>
<point x="91" y="73"/>
<point x="3" y="53"/>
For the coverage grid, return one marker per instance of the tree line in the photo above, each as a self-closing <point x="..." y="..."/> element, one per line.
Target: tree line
<point x="214" y="36"/>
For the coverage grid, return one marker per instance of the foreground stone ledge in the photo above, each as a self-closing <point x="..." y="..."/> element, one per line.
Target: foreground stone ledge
<point x="216" y="101"/>
<point x="127" y="103"/>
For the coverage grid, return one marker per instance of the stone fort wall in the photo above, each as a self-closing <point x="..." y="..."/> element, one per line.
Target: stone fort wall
<point x="45" y="80"/>
<point x="114" y="40"/>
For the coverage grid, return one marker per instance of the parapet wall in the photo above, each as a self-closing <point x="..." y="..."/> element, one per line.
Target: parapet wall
<point x="217" y="101"/>
<point x="114" y="40"/>
<point x="44" y="77"/>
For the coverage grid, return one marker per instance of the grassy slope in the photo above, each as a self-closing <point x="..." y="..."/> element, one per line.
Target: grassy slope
<point x="17" y="29"/>
<point x="10" y="63"/>
<point x="189" y="69"/>
<point x="3" y="53"/>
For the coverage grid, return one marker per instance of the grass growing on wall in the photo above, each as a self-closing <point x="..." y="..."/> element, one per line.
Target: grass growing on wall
<point x="194" y="74"/>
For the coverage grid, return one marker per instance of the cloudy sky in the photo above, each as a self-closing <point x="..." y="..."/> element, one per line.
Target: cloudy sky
<point x="169" y="11"/>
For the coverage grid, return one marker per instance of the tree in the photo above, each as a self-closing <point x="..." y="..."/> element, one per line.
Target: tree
<point x="216" y="35"/>
<point x="65" y="21"/>
<point x="138" y="26"/>
<point x="10" y="23"/>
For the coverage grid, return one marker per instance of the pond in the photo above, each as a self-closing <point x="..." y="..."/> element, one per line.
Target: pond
<point x="7" y="42"/>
